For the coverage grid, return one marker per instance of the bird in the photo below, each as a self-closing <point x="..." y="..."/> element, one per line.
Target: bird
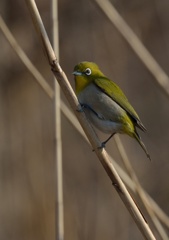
<point x="105" y="104"/>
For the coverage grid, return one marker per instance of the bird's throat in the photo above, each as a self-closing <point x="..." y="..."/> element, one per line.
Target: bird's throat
<point x="80" y="83"/>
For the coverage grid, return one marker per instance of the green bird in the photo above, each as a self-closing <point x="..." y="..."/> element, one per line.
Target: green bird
<point x="104" y="103"/>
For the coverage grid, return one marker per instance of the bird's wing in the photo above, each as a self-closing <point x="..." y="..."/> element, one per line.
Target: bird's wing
<point x="113" y="91"/>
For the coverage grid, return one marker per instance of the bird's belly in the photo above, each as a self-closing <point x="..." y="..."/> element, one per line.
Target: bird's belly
<point x="106" y="126"/>
<point x="107" y="115"/>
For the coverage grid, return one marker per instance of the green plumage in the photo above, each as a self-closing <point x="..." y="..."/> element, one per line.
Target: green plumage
<point x="113" y="91"/>
<point x="105" y="104"/>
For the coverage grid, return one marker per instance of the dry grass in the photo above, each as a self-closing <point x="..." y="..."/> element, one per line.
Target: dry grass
<point x="153" y="210"/>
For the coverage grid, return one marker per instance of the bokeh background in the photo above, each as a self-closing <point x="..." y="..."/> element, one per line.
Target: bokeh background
<point x="92" y="208"/>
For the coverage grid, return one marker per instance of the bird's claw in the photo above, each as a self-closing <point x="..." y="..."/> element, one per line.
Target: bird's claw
<point x="103" y="145"/>
<point x="80" y="108"/>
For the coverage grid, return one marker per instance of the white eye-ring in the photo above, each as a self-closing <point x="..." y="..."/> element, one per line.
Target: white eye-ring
<point x="88" y="71"/>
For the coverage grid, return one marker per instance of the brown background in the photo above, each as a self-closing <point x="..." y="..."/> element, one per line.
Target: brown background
<point x="27" y="189"/>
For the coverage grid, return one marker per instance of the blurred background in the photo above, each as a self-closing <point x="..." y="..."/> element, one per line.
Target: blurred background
<point x="92" y="208"/>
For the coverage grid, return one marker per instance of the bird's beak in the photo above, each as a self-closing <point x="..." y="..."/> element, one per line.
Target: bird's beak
<point x="76" y="73"/>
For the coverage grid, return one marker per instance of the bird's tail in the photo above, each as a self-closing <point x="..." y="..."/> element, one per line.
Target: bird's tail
<point x="138" y="138"/>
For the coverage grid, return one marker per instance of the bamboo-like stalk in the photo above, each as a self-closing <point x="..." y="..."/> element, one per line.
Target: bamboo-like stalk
<point x="72" y="119"/>
<point x="58" y="146"/>
<point x="95" y="142"/>
<point x="161" y="78"/>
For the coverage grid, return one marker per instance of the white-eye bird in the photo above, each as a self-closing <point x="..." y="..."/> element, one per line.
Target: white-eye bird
<point x="105" y="104"/>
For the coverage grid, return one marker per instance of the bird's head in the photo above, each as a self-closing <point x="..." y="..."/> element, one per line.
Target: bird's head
<point x="85" y="73"/>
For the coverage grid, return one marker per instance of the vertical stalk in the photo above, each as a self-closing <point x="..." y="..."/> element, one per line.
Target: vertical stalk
<point x="58" y="143"/>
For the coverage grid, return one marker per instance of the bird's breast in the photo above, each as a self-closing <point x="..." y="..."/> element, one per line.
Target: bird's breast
<point x="107" y="115"/>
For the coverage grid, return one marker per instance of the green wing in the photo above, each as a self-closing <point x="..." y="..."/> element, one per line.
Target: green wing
<point x="113" y="91"/>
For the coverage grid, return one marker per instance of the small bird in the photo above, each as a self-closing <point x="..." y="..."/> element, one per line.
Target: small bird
<point x="104" y="103"/>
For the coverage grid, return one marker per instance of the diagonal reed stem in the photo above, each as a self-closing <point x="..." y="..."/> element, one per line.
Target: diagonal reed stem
<point x="139" y="190"/>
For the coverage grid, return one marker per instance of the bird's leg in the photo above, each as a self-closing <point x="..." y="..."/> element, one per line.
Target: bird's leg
<point x="104" y="143"/>
<point x="80" y="108"/>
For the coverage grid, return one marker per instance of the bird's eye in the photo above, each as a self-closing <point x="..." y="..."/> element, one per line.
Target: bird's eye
<point x="88" y="71"/>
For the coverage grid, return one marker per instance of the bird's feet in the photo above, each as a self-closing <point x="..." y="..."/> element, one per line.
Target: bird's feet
<point x="80" y="108"/>
<point x="103" y="145"/>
